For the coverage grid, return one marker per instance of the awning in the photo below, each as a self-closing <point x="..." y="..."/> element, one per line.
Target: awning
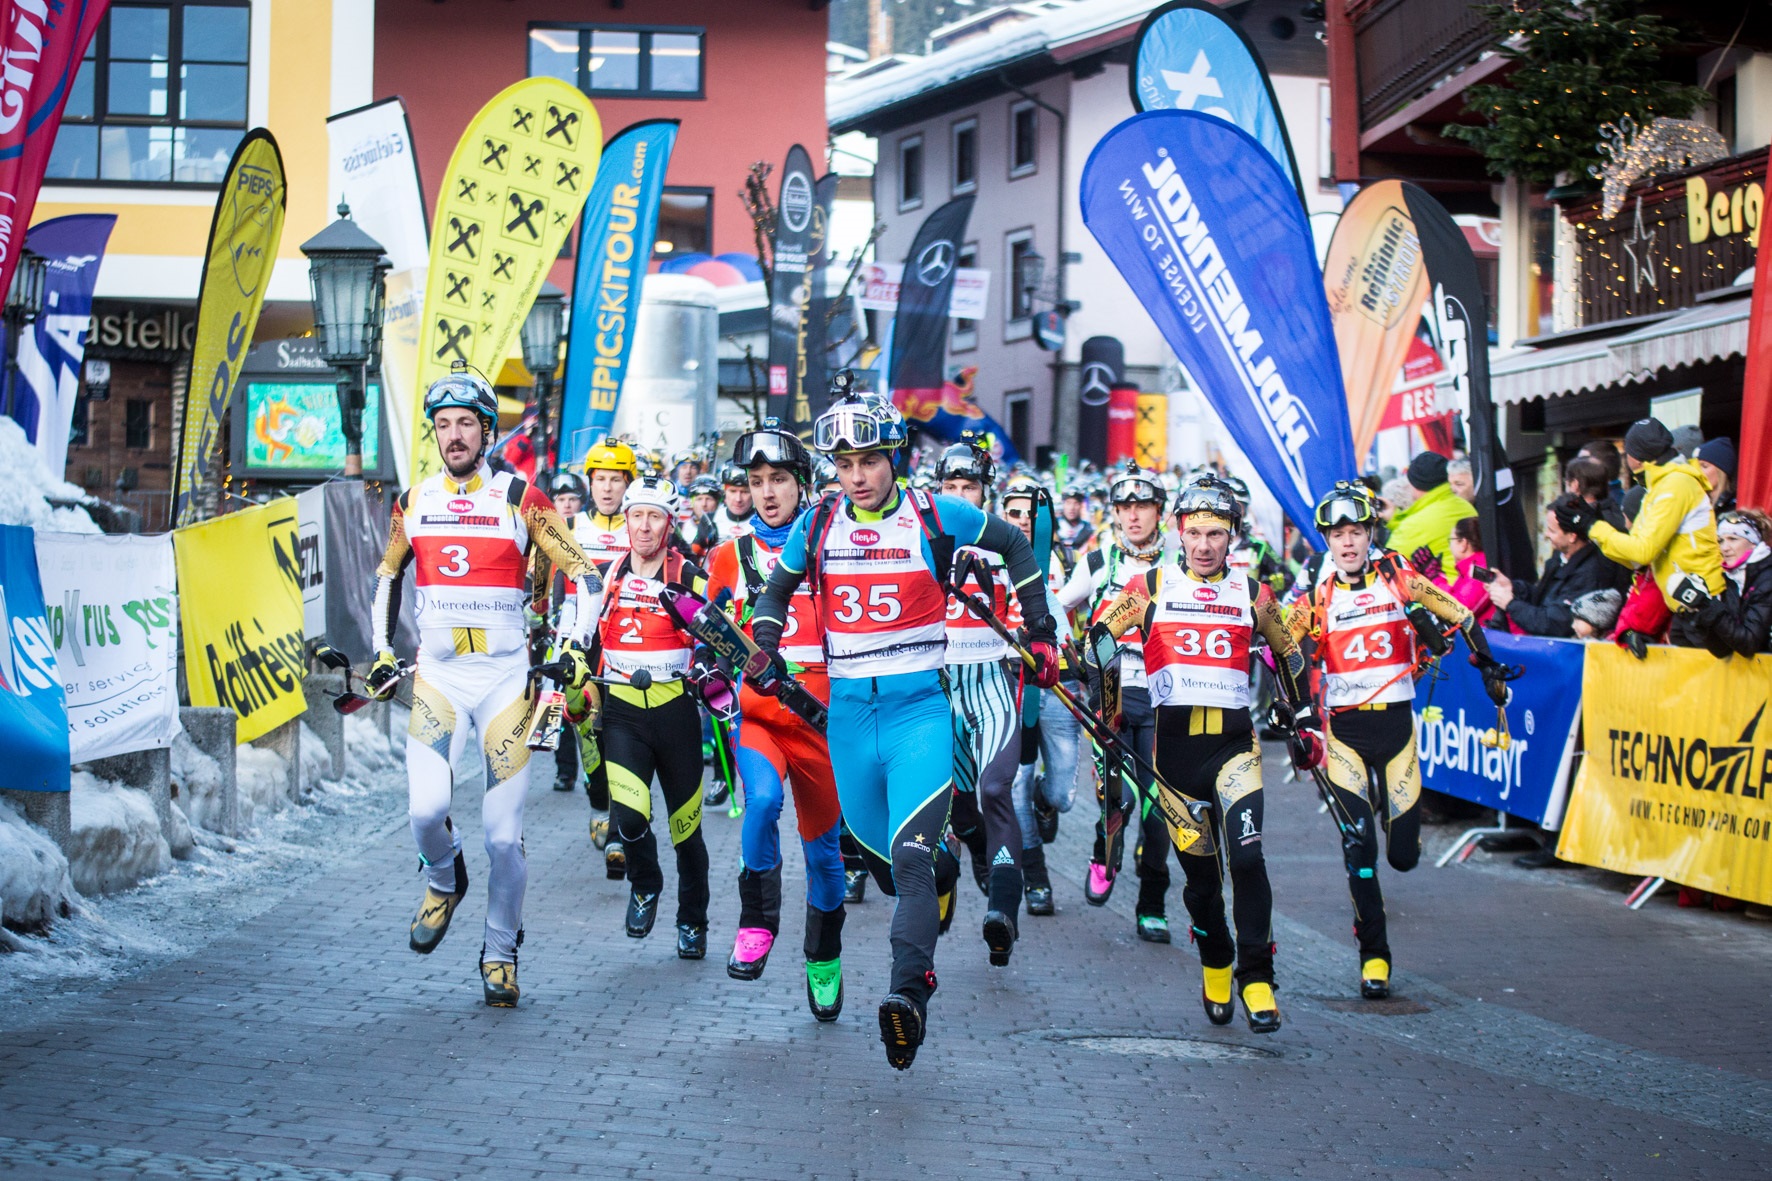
<point x="1523" y="374"/>
<point x="1713" y="331"/>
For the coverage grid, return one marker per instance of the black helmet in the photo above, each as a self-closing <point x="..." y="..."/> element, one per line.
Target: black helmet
<point x="703" y="484"/>
<point x="772" y="444"/>
<point x="733" y="476"/>
<point x="567" y="483"/>
<point x="1212" y="496"/>
<point x="966" y="460"/>
<point x="1348" y="503"/>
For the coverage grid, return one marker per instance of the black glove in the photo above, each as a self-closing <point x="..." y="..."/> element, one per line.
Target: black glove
<point x="383" y="672"/>
<point x="1575" y="516"/>
<point x="1690" y="592"/>
<point x="578" y="666"/>
<point x="1308" y="747"/>
<point x="1426" y="562"/>
<point x="1495" y="684"/>
<point x="773" y="678"/>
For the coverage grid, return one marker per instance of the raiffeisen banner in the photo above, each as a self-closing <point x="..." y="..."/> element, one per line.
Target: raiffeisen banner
<point x="1190" y="57"/>
<point x="1210" y="235"/>
<point x="615" y="238"/>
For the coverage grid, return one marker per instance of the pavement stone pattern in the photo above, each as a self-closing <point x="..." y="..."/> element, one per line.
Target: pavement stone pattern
<point x="1540" y="1030"/>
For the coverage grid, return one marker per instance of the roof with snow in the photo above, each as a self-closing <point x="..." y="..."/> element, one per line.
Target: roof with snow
<point x="877" y="99"/>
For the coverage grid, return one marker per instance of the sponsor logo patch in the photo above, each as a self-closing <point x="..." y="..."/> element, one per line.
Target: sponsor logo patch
<point x="460" y="505"/>
<point x="865" y="537"/>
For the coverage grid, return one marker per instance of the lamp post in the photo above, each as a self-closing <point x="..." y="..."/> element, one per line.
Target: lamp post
<point x="24" y="302"/>
<point x="541" y="333"/>
<point x="346" y="267"/>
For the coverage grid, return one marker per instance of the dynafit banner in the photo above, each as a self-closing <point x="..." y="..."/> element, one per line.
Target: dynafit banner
<point x="243" y="240"/>
<point x="615" y="239"/>
<point x="1208" y="231"/>
<point x="516" y="182"/>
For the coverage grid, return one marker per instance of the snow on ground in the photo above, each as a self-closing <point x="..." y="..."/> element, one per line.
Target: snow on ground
<point x="115" y="840"/>
<point x="224" y="882"/>
<point x="23" y="496"/>
<point x="35" y="886"/>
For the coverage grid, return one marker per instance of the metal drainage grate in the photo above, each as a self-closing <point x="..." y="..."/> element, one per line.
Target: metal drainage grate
<point x="1145" y="1046"/>
<point x="1396" y="1006"/>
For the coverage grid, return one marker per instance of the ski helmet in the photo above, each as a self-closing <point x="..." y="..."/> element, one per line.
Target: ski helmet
<point x="858" y="422"/>
<point x="567" y="483"/>
<point x="703" y="485"/>
<point x="966" y="460"/>
<point x="656" y="491"/>
<point x="733" y="476"/>
<point x="467" y="390"/>
<point x="1348" y="503"/>
<point x="1212" y="500"/>
<point x="612" y="455"/>
<point x="773" y="445"/>
<point x="1135" y="486"/>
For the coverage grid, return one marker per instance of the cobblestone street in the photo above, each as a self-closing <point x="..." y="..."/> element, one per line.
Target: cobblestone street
<point x="1540" y="1029"/>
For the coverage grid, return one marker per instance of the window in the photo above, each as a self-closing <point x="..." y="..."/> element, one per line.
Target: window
<point x="1018" y="308"/>
<point x="1024" y="139"/>
<point x="619" y="61"/>
<point x="910" y="172"/>
<point x="80" y="430"/>
<point x="965" y="156"/>
<point x="1018" y="407"/>
<point x="138" y="424"/>
<point x="160" y="97"/>
<point x="685" y="222"/>
<point x="965" y="335"/>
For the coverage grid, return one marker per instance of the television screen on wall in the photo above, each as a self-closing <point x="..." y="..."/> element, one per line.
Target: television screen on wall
<point x="292" y="428"/>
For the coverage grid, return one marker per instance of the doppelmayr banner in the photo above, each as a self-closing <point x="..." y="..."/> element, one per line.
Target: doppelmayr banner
<point x="1208" y="231"/>
<point x="1528" y="779"/>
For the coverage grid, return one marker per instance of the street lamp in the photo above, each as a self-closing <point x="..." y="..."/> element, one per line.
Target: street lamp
<point x="24" y="301"/>
<point x="1030" y="273"/>
<point x="346" y="267"/>
<point x="541" y="333"/>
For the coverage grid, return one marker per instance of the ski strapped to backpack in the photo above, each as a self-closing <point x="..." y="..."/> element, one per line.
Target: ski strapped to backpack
<point x="710" y="624"/>
<point x="1432" y="639"/>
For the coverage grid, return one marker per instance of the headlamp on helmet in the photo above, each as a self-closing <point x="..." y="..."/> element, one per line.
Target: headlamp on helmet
<point x="1208" y="501"/>
<point x="462" y="388"/>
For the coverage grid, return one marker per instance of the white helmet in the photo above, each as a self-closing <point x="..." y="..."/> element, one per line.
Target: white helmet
<point x="656" y="491"/>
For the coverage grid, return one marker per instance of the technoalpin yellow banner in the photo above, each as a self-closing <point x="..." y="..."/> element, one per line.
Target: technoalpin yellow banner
<point x="1678" y="767"/>
<point x="514" y="187"/>
<point x="243" y="240"/>
<point x="242" y="615"/>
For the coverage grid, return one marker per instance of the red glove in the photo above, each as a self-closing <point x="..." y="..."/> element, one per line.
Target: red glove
<point x="1045" y="670"/>
<point x="1308" y="748"/>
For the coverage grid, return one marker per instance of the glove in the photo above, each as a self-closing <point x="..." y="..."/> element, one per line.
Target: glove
<point x="1426" y="562"/>
<point x="1045" y="670"/>
<point x="1577" y="517"/>
<point x="383" y="672"/>
<point x="1495" y="683"/>
<point x="772" y="677"/>
<point x="713" y="685"/>
<point x="578" y="665"/>
<point x="1308" y="747"/>
<point x="1690" y="592"/>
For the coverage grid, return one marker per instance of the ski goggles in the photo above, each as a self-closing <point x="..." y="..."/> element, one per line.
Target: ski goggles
<point x="1135" y="490"/>
<point x="1215" y="503"/>
<point x="771" y="447"/>
<point x="1345" y="506"/>
<point x="850" y="428"/>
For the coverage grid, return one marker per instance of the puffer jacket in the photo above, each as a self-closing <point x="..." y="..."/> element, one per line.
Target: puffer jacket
<point x="1741" y="620"/>
<point x="1674" y="533"/>
<point x="1429" y="522"/>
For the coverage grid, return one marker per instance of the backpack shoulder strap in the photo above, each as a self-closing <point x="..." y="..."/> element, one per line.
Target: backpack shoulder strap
<point x="745" y="550"/>
<point x="816" y="531"/>
<point x="941" y="545"/>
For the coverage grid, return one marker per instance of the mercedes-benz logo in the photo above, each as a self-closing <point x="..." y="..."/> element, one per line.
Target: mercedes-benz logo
<point x="1097" y="383"/>
<point x="935" y="262"/>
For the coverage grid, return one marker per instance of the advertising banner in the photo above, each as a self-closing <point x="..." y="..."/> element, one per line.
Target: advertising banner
<point x="789" y="398"/>
<point x="1190" y="57"/>
<point x="33" y="707"/>
<point x="240" y="607"/>
<point x="1530" y="777"/>
<point x="50" y="354"/>
<point x="1122" y="424"/>
<point x="112" y="608"/>
<point x="1677" y="781"/>
<point x="351" y="545"/>
<point x="1755" y="483"/>
<point x="1210" y="235"/>
<point x="1377" y="287"/>
<point x="1101" y="370"/>
<point x="817" y="315"/>
<point x="44" y="45"/>
<point x="879" y="289"/>
<point x="951" y="412"/>
<point x="517" y="179"/>
<point x="310" y="520"/>
<point x="920" y="322"/>
<point x="293" y="427"/>
<point x="1151" y="436"/>
<point x="375" y="170"/>
<point x="243" y="240"/>
<point x="615" y="238"/>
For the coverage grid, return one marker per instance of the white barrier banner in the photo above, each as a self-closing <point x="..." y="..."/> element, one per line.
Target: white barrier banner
<point x="112" y="606"/>
<point x="879" y="292"/>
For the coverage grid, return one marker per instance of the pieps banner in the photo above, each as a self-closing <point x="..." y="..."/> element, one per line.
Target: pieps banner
<point x="242" y="615"/>
<point x="1528" y="777"/>
<point x="1678" y="768"/>
<point x="514" y="187"/>
<point x="112" y="607"/>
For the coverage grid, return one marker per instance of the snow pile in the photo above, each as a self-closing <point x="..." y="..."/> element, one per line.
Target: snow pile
<point x="262" y="779"/>
<point x="179" y="835"/>
<point x="35" y="885"/>
<point x="115" y="840"/>
<point x="198" y="779"/>
<point x="316" y="764"/>
<point x="25" y="495"/>
<point x="371" y="753"/>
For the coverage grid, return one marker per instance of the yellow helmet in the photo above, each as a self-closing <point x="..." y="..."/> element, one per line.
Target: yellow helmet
<point x="612" y="455"/>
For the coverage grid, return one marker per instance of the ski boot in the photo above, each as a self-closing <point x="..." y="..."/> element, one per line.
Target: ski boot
<point x="759" y="917"/>
<point x="615" y="861"/>
<point x="565" y="780"/>
<point x="498" y="980"/>
<point x="824" y="967"/>
<point x="431" y="922"/>
<point x="692" y="941"/>
<point x="599" y="833"/>
<point x="1215" y="994"/>
<point x="1153" y="928"/>
<point x="1000" y="931"/>
<point x="1039" y="881"/>
<point x="642" y="913"/>
<point x="1045" y="815"/>
<point x="1259" y="1006"/>
<point x="717" y="793"/>
<point x="903" y="1023"/>
<point x="1375" y="979"/>
<point x="855" y="885"/>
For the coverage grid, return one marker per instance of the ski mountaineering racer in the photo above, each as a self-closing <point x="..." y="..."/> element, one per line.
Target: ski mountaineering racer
<point x="465" y="534"/>
<point x="877" y="559"/>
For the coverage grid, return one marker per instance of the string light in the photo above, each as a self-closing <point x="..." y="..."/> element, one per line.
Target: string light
<point x="1666" y="145"/>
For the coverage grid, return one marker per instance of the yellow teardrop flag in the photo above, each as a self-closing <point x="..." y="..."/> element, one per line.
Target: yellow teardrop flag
<point x="514" y="187"/>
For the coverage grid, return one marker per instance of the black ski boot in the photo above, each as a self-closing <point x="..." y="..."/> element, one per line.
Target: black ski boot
<point x="855" y="870"/>
<point x="1000" y="930"/>
<point x="1039" y="881"/>
<point x="904" y="1020"/>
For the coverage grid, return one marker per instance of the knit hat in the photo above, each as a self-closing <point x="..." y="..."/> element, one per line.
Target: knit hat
<point x="1633" y="501"/>
<point x="1427" y="471"/>
<point x="1687" y="440"/>
<point x="1598" y="609"/>
<point x="1719" y="453"/>
<point x="1647" y="440"/>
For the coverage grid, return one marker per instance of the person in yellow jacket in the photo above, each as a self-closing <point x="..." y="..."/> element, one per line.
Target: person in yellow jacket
<point x="1427" y="523"/>
<point x="1674" y="534"/>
